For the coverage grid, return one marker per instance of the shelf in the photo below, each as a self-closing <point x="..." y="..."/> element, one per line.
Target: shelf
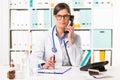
<point x="19" y="29"/>
<point x="19" y="50"/>
<point x="102" y="48"/>
<point x="93" y="21"/>
<point x="39" y="29"/>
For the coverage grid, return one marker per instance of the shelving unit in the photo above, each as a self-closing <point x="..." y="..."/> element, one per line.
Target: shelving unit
<point x="93" y="22"/>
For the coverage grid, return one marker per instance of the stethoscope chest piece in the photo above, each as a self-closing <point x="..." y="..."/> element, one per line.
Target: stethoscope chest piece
<point x="54" y="50"/>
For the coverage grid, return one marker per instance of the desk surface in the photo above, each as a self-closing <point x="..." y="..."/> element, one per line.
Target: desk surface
<point x="112" y="73"/>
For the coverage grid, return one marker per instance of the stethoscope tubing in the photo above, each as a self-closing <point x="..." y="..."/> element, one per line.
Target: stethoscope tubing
<point x="54" y="49"/>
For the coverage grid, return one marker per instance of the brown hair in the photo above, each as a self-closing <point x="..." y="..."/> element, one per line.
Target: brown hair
<point x="61" y="6"/>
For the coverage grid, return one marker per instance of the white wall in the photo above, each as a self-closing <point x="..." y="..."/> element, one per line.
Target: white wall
<point x="116" y="34"/>
<point x="4" y="34"/>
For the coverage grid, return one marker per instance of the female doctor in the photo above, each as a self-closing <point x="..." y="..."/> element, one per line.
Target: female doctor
<point x="65" y="47"/>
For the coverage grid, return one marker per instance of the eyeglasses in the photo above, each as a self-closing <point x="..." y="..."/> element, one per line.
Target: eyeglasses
<point x="59" y="17"/>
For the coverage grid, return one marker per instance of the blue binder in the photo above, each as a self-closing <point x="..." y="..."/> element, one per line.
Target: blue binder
<point x="85" y="60"/>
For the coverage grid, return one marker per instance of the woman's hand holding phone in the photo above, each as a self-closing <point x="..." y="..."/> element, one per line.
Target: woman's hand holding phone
<point x="70" y="29"/>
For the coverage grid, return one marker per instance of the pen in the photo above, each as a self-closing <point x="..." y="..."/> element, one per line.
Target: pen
<point x="54" y="60"/>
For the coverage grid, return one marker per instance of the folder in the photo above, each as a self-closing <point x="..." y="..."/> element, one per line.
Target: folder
<point x="77" y="18"/>
<point x="102" y="38"/>
<point x="20" y="40"/>
<point x="41" y="19"/>
<point x="19" y="4"/>
<point x="85" y="18"/>
<point x="86" y="58"/>
<point x="102" y="55"/>
<point x="77" y="3"/>
<point x="85" y="38"/>
<point x="37" y="36"/>
<point x="20" y="19"/>
<point x="40" y="3"/>
<point x="57" y="70"/>
<point x="96" y="56"/>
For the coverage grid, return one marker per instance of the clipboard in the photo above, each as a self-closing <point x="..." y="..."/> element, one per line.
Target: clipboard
<point x="58" y="70"/>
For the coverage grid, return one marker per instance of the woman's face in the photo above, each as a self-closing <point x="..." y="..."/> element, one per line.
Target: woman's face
<point x="62" y="18"/>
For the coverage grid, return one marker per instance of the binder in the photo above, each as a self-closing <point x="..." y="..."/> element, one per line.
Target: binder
<point x="102" y="55"/>
<point x="20" y="19"/>
<point x="85" y="60"/>
<point x="85" y="18"/>
<point x="19" y="4"/>
<point x="85" y="36"/>
<point x="108" y="57"/>
<point x="37" y="36"/>
<point x="77" y="18"/>
<point x="77" y="3"/>
<point x="96" y="56"/>
<point x="102" y="38"/>
<point x="41" y="19"/>
<point x="40" y="3"/>
<point x="20" y="40"/>
<point x="58" y="70"/>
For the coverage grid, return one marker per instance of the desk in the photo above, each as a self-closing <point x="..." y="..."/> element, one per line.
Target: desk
<point x="73" y="74"/>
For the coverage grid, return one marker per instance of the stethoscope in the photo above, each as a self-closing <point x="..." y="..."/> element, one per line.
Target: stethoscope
<point x="54" y="49"/>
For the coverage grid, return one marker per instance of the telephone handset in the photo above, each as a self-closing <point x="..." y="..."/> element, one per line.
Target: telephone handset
<point x="71" y="22"/>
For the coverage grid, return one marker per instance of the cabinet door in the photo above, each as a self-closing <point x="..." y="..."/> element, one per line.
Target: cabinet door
<point x="102" y="38"/>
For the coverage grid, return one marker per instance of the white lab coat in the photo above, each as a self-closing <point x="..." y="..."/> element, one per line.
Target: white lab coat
<point x="42" y="50"/>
